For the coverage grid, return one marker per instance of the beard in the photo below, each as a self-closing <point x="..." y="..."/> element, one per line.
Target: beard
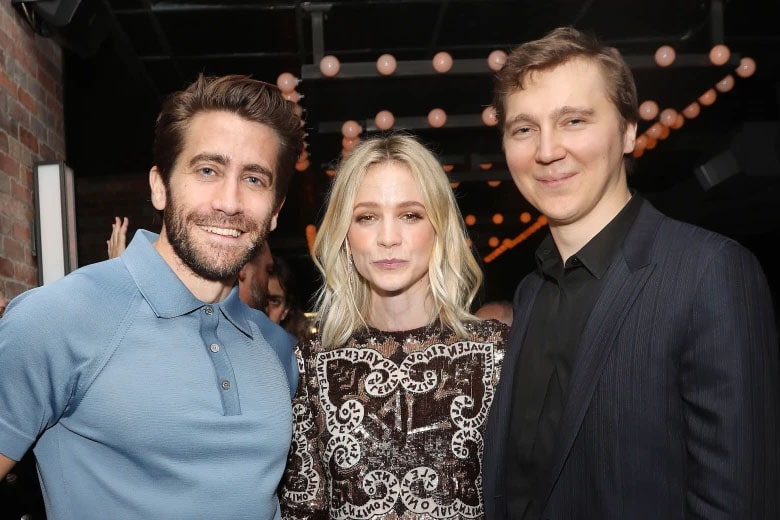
<point x="210" y="262"/>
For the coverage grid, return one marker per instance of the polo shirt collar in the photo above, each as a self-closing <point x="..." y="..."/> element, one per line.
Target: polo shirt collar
<point x="165" y="293"/>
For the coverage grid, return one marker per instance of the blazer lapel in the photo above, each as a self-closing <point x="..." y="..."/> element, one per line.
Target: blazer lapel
<point x="622" y="286"/>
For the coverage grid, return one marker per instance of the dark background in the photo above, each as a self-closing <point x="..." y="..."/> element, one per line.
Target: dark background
<point x="123" y="56"/>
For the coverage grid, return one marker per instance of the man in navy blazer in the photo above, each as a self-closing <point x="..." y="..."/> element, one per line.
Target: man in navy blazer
<point x="641" y="380"/>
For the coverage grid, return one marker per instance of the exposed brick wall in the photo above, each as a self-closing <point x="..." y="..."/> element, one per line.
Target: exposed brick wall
<point x="32" y="129"/>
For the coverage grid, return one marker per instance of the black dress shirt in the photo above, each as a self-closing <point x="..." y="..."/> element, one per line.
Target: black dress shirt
<point x="559" y="315"/>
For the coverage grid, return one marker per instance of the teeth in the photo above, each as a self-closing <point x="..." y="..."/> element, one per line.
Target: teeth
<point x="223" y="231"/>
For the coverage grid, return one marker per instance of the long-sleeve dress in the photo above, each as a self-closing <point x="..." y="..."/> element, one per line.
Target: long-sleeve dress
<point x="390" y="425"/>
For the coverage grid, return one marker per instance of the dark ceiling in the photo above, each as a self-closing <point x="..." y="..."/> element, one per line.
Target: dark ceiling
<point x="123" y="56"/>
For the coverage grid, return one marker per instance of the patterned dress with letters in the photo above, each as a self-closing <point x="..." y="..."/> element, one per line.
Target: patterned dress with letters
<point x="390" y="425"/>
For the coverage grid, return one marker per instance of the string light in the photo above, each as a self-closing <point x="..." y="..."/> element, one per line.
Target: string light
<point x="329" y="66"/>
<point x="442" y="62"/>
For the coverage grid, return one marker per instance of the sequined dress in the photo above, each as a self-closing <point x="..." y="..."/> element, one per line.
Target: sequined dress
<point x="390" y="425"/>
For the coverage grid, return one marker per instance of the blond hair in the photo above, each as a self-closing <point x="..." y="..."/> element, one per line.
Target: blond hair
<point x="454" y="277"/>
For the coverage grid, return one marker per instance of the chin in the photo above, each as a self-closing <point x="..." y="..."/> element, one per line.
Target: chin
<point x="390" y="290"/>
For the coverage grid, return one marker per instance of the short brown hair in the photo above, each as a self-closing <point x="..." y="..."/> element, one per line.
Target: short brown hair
<point x="560" y="46"/>
<point x="249" y="98"/>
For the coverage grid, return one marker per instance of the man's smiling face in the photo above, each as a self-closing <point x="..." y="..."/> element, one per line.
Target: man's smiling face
<point x="219" y="204"/>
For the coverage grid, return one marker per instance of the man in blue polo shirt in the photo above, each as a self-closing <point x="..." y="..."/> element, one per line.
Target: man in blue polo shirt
<point x="147" y="388"/>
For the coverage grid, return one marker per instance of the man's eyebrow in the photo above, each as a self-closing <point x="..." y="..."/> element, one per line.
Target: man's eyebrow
<point x="212" y="157"/>
<point x="572" y="110"/>
<point x="519" y="117"/>
<point x="258" y="168"/>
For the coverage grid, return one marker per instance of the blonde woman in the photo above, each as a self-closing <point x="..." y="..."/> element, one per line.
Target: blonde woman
<point x="395" y="387"/>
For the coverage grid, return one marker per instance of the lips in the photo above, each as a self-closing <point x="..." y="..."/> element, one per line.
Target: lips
<point x="225" y="232"/>
<point x="556" y="178"/>
<point x="390" y="263"/>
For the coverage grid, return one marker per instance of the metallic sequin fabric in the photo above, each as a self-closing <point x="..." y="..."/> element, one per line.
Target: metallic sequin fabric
<point x="391" y="425"/>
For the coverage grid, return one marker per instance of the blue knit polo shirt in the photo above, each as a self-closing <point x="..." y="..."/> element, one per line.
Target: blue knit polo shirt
<point x="145" y="402"/>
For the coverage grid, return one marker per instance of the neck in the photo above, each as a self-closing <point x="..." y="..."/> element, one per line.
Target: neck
<point x="570" y="237"/>
<point x="208" y="291"/>
<point x="400" y="312"/>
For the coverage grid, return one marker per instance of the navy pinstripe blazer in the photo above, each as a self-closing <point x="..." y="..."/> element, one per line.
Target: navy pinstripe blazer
<point x="672" y="406"/>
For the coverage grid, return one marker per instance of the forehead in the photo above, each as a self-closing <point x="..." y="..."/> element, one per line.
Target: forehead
<point x="274" y="287"/>
<point x="575" y="82"/>
<point x="241" y="140"/>
<point x="388" y="181"/>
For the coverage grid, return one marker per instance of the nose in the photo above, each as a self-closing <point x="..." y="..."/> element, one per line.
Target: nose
<point x="227" y="196"/>
<point x="549" y="148"/>
<point x="389" y="233"/>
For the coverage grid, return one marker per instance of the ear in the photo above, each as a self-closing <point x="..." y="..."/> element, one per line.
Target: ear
<point x="275" y="216"/>
<point x="159" y="193"/>
<point x="629" y="138"/>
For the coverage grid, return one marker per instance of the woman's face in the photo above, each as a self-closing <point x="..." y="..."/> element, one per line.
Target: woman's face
<point x="278" y="307"/>
<point x="390" y="236"/>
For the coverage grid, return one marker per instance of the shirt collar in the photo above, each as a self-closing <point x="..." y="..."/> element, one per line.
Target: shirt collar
<point x="165" y="293"/>
<point x="597" y="255"/>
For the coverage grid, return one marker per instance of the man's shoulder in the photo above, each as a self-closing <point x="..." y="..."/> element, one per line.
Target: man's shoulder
<point x="91" y="287"/>
<point x="670" y="230"/>
<point x="683" y="246"/>
<point x="696" y="237"/>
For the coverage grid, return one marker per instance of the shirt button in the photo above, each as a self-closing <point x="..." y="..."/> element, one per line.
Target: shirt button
<point x="225" y="385"/>
<point x="208" y="310"/>
<point x="214" y="347"/>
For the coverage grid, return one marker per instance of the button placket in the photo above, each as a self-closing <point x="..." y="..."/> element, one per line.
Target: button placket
<point x="226" y="382"/>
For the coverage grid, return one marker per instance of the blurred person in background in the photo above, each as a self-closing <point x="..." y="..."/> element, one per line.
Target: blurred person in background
<point x="253" y="279"/>
<point x="500" y="310"/>
<point x="283" y="305"/>
<point x="117" y="242"/>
